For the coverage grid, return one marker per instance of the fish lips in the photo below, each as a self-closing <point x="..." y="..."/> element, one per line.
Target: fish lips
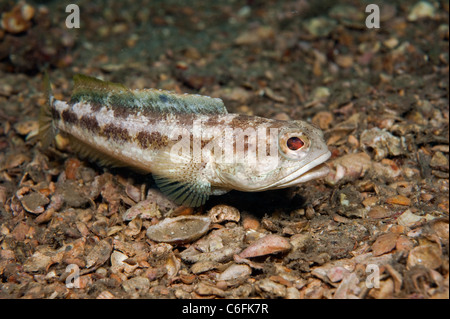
<point x="314" y="170"/>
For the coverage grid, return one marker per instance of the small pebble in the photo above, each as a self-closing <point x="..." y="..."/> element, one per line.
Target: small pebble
<point x="221" y="213"/>
<point x="404" y="244"/>
<point x="323" y="120"/>
<point x="344" y="61"/>
<point x="34" y="202"/>
<point x="179" y="229"/>
<point x="235" y="271"/>
<point x="270" y="244"/>
<point x="421" y="10"/>
<point x="399" y="200"/>
<point x="25" y="127"/>
<point x="427" y="255"/>
<point x="379" y="212"/>
<point x="145" y="209"/>
<point x="384" y="244"/>
<point x="18" y="19"/>
<point x="439" y="161"/>
<point x="72" y="165"/>
<point x="250" y="222"/>
<point x="254" y="36"/>
<point x="408" y="218"/>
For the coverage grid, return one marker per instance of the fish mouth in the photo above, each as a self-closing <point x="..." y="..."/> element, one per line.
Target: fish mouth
<point x="315" y="169"/>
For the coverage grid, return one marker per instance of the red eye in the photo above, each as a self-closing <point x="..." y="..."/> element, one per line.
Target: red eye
<point x="294" y="143"/>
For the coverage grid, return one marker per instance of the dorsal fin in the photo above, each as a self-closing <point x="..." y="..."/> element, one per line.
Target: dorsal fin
<point x="85" y="84"/>
<point x="103" y="93"/>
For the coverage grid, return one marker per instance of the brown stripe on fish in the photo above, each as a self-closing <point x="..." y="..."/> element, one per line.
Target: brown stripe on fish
<point x="95" y="107"/>
<point x="122" y="112"/>
<point x="152" y="140"/>
<point x="90" y="123"/>
<point x="115" y="133"/>
<point x="69" y="116"/>
<point x="55" y="114"/>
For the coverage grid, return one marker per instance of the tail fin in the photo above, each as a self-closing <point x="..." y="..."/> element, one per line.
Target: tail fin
<point x="46" y="129"/>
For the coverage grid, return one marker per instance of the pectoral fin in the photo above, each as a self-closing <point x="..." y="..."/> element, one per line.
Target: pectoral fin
<point x="190" y="194"/>
<point x="181" y="180"/>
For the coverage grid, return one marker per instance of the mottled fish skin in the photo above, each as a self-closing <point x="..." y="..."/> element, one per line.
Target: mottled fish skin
<point x="109" y="123"/>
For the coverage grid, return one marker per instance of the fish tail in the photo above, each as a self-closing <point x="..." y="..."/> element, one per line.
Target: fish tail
<point x="46" y="127"/>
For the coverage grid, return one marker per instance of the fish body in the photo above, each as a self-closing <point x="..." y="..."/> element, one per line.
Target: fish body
<point x="190" y="143"/>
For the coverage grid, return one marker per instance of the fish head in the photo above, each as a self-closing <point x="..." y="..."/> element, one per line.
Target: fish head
<point x="299" y="153"/>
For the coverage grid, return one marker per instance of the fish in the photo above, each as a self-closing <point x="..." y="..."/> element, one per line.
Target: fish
<point x="189" y="143"/>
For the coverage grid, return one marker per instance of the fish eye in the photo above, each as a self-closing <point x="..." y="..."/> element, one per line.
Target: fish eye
<point x="294" y="143"/>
